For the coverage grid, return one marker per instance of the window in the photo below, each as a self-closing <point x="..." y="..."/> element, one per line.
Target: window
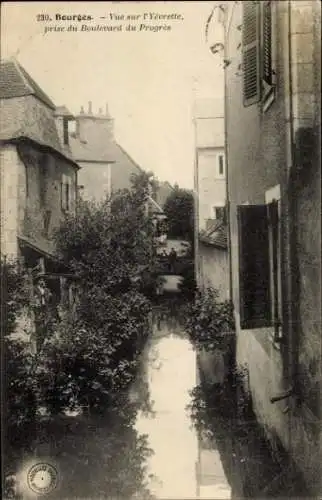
<point x="258" y="39"/>
<point x="47" y="219"/>
<point x="42" y="179"/>
<point x="260" y="266"/>
<point x="65" y="130"/>
<point x="221" y="165"/>
<point x="219" y="212"/>
<point x="65" y="194"/>
<point x="254" y="272"/>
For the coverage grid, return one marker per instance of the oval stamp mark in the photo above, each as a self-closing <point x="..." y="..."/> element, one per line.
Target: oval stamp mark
<point x="42" y="478"/>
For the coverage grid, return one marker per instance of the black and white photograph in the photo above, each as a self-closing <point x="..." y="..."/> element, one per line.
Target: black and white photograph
<point x="160" y="169"/>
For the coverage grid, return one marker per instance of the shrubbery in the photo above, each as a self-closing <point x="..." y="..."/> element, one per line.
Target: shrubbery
<point x="89" y="359"/>
<point x="209" y="322"/>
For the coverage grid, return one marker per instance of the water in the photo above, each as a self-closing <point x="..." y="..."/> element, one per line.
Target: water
<point x="176" y="437"/>
<point x="171" y="375"/>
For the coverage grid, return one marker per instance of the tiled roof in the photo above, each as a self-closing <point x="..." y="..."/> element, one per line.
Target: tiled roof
<point x="25" y="117"/>
<point x="16" y="82"/>
<point x="98" y="152"/>
<point x="215" y="235"/>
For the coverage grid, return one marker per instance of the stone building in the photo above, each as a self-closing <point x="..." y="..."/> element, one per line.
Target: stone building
<point x="38" y="177"/>
<point x="211" y="249"/>
<point x="272" y="59"/>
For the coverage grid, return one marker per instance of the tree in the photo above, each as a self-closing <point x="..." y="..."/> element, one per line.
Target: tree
<point x="88" y="360"/>
<point x="179" y="209"/>
<point x="109" y="248"/>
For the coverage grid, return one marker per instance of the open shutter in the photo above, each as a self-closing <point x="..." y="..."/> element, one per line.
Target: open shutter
<point x="251" y="54"/>
<point x="254" y="266"/>
<point x="267" y="42"/>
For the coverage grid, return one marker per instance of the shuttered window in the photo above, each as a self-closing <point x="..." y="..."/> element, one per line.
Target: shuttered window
<point x="267" y="43"/>
<point x="251" y="52"/>
<point x="254" y="266"/>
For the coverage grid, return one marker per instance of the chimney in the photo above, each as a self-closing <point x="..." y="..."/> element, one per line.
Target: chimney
<point x="94" y="128"/>
<point x="82" y="110"/>
<point x="107" y="113"/>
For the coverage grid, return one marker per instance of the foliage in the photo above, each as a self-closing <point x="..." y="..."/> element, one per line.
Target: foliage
<point x="19" y="408"/>
<point x="14" y="294"/>
<point x="91" y="362"/>
<point x="87" y="360"/>
<point x="209" y="322"/>
<point x="109" y="247"/>
<point x="179" y="209"/>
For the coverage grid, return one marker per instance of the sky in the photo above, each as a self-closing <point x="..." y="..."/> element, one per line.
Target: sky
<point x="149" y="79"/>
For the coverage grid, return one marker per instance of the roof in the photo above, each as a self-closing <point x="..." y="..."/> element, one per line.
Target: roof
<point x="215" y="235"/>
<point x="122" y="155"/>
<point x="98" y="152"/>
<point x="22" y="116"/>
<point x="16" y="82"/>
<point x="155" y="206"/>
<point x="63" y="111"/>
<point x="162" y="192"/>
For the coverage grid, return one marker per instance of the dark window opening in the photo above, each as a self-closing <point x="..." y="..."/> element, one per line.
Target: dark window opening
<point x="254" y="267"/>
<point x="47" y="219"/>
<point x="65" y="131"/>
<point x="219" y="213"/>
<point x="65" y="195"/>
<point x="221" y="164"/>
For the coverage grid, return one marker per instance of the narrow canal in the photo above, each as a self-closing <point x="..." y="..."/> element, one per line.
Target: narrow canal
<point x="174" y="437"/>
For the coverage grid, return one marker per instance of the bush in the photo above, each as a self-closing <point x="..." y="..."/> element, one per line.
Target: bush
<point x="210" y="323"/>
<point x="17" y="383"/>
<point x="109" y="247"/>
<point x="89" y="359"/>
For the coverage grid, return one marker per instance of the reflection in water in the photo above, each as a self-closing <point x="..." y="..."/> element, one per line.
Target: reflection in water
<point x="170" y="438"/>
<point x="181" y="468"/>
<point x="95" y="457"/>
<point x="169" y="431"/>
<point x="226" y="425"/>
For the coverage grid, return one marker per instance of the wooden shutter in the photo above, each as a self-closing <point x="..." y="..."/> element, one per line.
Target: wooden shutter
<point x="251" y="54"/>
<point x="254" y="266"/>
<point x="267" y="42"/>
